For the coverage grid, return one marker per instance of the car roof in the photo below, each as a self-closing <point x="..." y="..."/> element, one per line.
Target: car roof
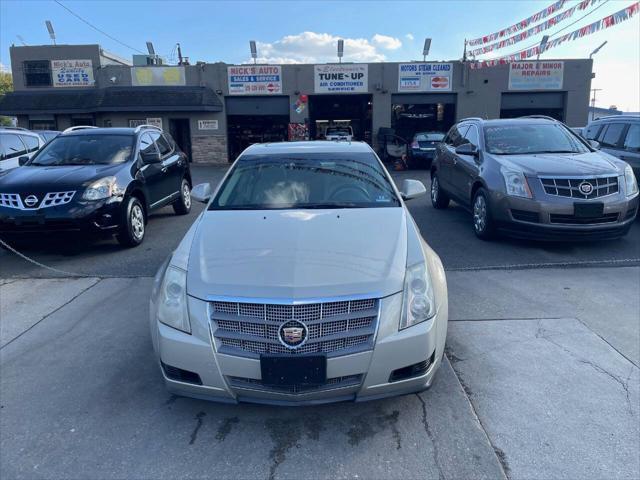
<point x="511" y="121"/>
<point x="19" y="131"/>
<point x="104" y="131"/>
<point x="316" y="146"/>
<point x="617" y="119"/>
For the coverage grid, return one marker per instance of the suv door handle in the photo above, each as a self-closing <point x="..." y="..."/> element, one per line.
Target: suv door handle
<point x="163" y="169"/>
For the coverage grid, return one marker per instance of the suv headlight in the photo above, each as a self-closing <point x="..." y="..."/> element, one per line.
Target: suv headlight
<point x="630" y="182"/>
<point x="172" y="300"/>
<point x="104" y="188"/>
<point x="418" y="303"/>
<point x="516" y="183"/>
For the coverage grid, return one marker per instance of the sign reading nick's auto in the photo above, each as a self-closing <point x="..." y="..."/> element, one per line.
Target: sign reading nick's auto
<point x="255" y="80"/>
<point x="425" y="77"/>
<point x="341" y="78"/>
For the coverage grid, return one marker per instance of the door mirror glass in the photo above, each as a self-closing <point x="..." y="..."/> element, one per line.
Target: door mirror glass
<point x="22" y="160"/>
<point x="412" y="189"/>
<point x="594" y="144"/>
<point x="201" y="192"/>
<point x="150" y="157"/>
<point x="467" y="149"/>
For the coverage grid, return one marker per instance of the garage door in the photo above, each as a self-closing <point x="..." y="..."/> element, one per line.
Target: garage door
<point x="258" y="106"/>
<point x="533" y="100"/>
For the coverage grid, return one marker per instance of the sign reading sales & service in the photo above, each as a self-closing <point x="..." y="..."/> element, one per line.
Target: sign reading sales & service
<point x="255" y="80"/>
<point x="341" y="78"/>
<point x="536" y="75"/>
<point x="72" y="73"/>
<point x="425" y="77"/>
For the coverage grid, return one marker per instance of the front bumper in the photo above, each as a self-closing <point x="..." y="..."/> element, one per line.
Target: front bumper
<point x="553" y="218"/>
<point x="97" y="217"/>
<point x="356" y="377"/>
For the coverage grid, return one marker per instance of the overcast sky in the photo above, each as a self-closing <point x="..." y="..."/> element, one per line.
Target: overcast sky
<point x="299" y="31"/>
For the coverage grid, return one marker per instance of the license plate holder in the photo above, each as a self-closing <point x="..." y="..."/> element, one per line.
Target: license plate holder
<point x="588" y="210"/>
<point x="284" y="370"/>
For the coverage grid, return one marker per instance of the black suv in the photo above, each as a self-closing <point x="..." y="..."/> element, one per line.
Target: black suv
<point x="533" y="177"/>
<point x="96" y="180"/>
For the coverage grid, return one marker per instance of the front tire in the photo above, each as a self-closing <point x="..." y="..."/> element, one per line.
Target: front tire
<point x="483" y="224"/>
<point x="439" y="198"/>
<point x="182" y="206"/>
<point x="133" y="229"/>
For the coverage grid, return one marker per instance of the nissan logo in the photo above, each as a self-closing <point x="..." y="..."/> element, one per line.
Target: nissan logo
<point x="31" y="200"/>
<point x="585" y="188"/>
<point x="293" y="334"/>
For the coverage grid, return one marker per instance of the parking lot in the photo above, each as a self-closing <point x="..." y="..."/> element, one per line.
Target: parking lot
<point x="540" y="380"/>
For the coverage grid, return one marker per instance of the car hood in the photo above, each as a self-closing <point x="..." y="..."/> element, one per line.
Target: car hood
<point x="591" y="163"/>
<point x="298" y="254"/>
<point x="54" y="178"/>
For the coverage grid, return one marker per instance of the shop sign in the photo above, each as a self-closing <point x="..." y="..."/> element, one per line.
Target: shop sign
<point x="207" y="124"/>
<point x="536" y="75"/>
<point x="156" y="122"/>
<point x="425" y="77"/>
<point x="341" y="78"/>
<point x="72" y="73"/>
<point x="255" y="80"/>
<point x="157" y="76"/>
<point x="136" y="122"/>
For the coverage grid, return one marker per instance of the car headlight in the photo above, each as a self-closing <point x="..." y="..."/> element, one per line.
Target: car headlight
<point x="104" y="188"/>
<point x="630" y="182"/>
<point x="172" y="300"/>
<point x="418" y="303"/>
<point x="516" y="183"/>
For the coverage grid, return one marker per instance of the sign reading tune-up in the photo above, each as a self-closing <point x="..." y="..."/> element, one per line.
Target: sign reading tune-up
<point x="255" y="80"/>
<point x="425" y="77"/>
<point x="341" y="78"/>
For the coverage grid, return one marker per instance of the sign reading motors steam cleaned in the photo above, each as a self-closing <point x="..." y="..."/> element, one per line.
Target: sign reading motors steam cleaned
<point x="425" y="77"/>
<point x="341" y="78"/>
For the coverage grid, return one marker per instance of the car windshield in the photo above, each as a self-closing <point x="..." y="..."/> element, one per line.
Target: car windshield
<point x="429" y="137"/>
<point x="516" y="139"/>
<point x="306" y="181"/>
<point x="85" y="150"/>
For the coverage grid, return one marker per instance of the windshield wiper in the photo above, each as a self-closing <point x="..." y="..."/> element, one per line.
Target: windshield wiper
<point x="555" y="151"/>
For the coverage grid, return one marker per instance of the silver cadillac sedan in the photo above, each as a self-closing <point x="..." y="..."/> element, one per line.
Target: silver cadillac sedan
<point x="304" y="281"/>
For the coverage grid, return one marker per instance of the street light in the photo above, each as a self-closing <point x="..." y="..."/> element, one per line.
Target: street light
<point x="425" y="49"/>
<point x="597" y="49"/>
<point x="340" y="50"/>
<point x="52" y="34"/>
<point x="254" y="51"/>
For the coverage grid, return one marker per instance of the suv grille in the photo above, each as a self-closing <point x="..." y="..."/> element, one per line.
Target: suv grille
<point x="570" y="187"/>
<point x="334" y="328"/>
<point x="51" y="199"/>
<point x="573" y="220"/>
<point x="330" y="384"/>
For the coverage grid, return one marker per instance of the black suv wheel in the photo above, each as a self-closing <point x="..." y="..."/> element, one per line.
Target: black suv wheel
<point x="182" y="205"/>
<point x="133" y="228"/>
<point x="439" y="198"/>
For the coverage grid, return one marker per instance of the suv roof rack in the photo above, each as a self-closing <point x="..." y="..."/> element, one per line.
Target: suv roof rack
<point x="140" y="127"/>
<point x="622" y="115"/>
<point x="77" y="127"/>
<point x="469" y="118"/>
<point x="545" y="117"/>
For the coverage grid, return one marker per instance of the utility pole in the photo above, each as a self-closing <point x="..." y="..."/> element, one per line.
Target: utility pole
<point x="593" y="99"/>
<point x="464" y="54"/>
<point x="179" y="54"/>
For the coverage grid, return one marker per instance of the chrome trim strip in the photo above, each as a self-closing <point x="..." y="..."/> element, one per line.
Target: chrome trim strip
<point x="579" y="176"/>
<point x="163" y="199"/>
<point x="301" y="301"/>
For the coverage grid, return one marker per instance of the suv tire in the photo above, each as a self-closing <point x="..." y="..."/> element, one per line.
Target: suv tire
<point x="132" y="230"/>
<point x="182" y="205"/>
<point x="439" y="199"/>
<point x="483" y="224"/>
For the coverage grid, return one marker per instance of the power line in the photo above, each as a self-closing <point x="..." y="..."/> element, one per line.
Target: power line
<point x="97" y="29"/>
<point x="550" y="36"/>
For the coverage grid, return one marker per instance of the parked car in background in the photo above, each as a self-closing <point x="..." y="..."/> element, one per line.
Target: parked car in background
<point x="95" y="180"/>
<point x="423" y="149"/>
<point x="532" y="177"/>
<point x="333" y="296"/>
<point x="47" y="135"/>
<point x="16" y="142"/>
<point x="618" y="135"/>
<point x="339" y="133"/>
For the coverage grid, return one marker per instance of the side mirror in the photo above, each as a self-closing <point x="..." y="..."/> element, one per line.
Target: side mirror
<point x="150" y="157"/>
<point x="201" y="192"/>
<point x="594" y="144"/>
<point x="412" y="189"/>
<point x="22" y="160"/>
<point x="467" y="149"/>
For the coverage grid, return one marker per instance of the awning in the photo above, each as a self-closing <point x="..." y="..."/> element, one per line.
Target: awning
<point x="112" y="99"/>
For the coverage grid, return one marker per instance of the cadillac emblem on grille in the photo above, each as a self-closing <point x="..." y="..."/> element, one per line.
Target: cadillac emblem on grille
<point x="585" y="188"/>
<point x="293" y="334"/>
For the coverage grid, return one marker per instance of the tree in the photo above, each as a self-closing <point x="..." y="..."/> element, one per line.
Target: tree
<point x="6" y="85"/>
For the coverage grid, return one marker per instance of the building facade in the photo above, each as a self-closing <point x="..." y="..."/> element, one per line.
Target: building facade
<point x="215" y="110"/>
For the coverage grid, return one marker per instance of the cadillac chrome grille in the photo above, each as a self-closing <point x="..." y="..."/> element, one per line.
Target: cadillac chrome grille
<point x="51" y="199"/>
<point x="330" y="384"/>
<point x="570" y="187"/>
<point x="334" y="328"/>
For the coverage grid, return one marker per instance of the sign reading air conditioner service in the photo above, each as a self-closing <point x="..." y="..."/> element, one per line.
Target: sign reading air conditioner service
<point x="157" y="76"/>
<point x="536" y="75"/>
<point x="255" y="80"/>
<point x="72" y="73"/>
<point x="341" y="78"/>
<point x="425" y="77"/>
